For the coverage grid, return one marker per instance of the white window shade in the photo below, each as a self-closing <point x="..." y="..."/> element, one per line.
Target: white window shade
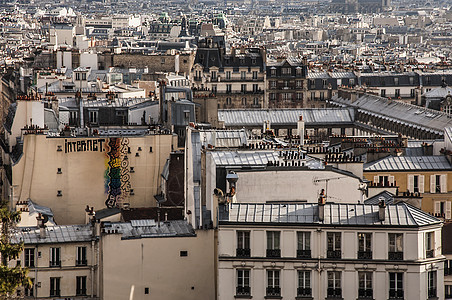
<point x="443" y="183"/>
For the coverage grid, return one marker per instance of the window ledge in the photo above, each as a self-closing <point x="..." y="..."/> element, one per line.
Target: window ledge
<point x="276" y="297"/>
<point x="304" y="298"/>
<point x="432" y="298"/>
<point x="243" y="296"/>
<point x="334" y="298"/>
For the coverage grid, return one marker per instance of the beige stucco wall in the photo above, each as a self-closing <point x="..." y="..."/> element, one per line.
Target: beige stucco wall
<point x="83" y="174"/>
<point x="156" y="263"/>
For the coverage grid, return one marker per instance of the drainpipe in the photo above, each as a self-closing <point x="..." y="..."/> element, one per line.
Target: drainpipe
<point x="319" y="269"/>
<point x="92" y="266"/>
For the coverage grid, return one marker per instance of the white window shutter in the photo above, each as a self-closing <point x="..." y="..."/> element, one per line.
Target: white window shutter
<point x="421" y="184"/>
<point x="432" y="184"/>
<point x="376" y="180"/>
<point x="437" y="207"/>
<point x="443" y="183"/>
<point x="448" y="210"/>
<point x="410" y="183"/>
<point x="391" y="180"/>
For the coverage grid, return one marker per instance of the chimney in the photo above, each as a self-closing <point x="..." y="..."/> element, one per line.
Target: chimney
<point x="322" y="201"/>
<point x="89" y="216"/>
<point x="300" y="128"/>
<point x="42" y="227"/>
<point x="381" y="210"/>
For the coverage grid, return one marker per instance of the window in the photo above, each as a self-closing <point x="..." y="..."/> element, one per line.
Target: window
<point x="59" y="193"/>
<point x="228" y="101"/>
<point x="243" y="101"/>
<point x="243" y="283"/>
<point x="254" y="74"/>
<point x="365" y="285"/>
<point x="273" y="72"/>
<point x="324" y="83"/>
<point x="273" y="288"/>
<point x="397" y="93"/>
<point x="299" y="83"/>
<point x="304" y="244"/>
<point x="432" y="284"/>
<point x="395" y="251"/>
<point x="81" y="285"/>
<point x="146" y="291"/>
<point x="447" y="267"/>
<point x="93" y="116"/>
<point x="255" y="88"/>
<point x="243" y="244"/>
<point x="412" y="93"/>
<point x="273" y="84"/>
<point x="299" y="71"/>
<point x="287" y="96"/>
<point x="364" y="245"/>
<point x="395" y="285"/>
<point x="55" y="257"/>
<point x="272" y="96"/>
<point x="77" y="76"/>
<point x="322" y="95"/>
<point x="384" y="180"/>
<point x="273" y="247"/>
<point x="443" y="209"/>
<point x="312" y="95"/>
<point x="352" y="81"/>
<point x="396" y="81"/>
<point x="299" y="96"/>
<point x="429" y="245"/>
<point x="83" y="76"/>
<point x="448" y="291"/>
<point x="304" y="284"/>
<point x="213" y="75"/>
<point x="228" y="88"/>
<point x="214" y="88"/>
<point x="416" y="183"/>
<point x="81" y="256"/>
<point x="243" y="75"/>
<point x="59" y="171"/>
<point x="54" y="286"/>
<point x="438" y="183"/>
<point x="383" y="93"/>
<point x="29" y="256"/>
<point x="334" y="245"/>
<point x="228" y="75"/>
<point x="286" y="71"/>
<point x="183" y="253"/>
<point x="29" y="292"/>
<point x="255" y="101"/>
<point x="243" y="88"/>
<point x="334" y="284"/>
<point x="411" y="80"/>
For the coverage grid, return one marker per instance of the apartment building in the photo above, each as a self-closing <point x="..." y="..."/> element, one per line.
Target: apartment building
<point x="286" y="83"/>
<point x="329" y="251"/>
<point x="427" y="176"/>
<point x="237" y="79"/>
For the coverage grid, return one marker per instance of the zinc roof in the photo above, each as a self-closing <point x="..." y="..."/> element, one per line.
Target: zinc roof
<point x="400" y="214"/>
<point x="150" y="228"/>
<point x="54" y="234"/>
<point x="243" y="158"/>
<point x="409" y="163"/>
<point x="257" y="117"/>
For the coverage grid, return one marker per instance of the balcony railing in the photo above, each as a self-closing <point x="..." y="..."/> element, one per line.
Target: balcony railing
<point x="432" y="292"/>
<point x="365" y="293"/>
<point x="334" y="293"/>
<point x="429" y="253"/>
<point x="273" y="291"/>
<point x="303" y="253"/>
<point x="364" y="254"/>
<point x="304" y="292"/>
<point x="273" y="252"/>
<point x="54" y="263"/>
<point x="243" y="291"/>
<point x="243" y="252"/>
<point x="81" y="292"/>
<point x="55" y="293"/>
<point x="395" y="255"/>
<point x="333" y="254"/>
<point x="82" y="262"/>
<point x="395" y="294"/>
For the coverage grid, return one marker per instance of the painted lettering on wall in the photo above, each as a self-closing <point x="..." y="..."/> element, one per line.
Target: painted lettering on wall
<point x="117" y="174"/>
<point x="83" y="145"/>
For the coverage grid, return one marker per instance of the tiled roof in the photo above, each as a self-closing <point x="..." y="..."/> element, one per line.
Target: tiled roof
<point x="400" y="214"/>
<point x="409" y="163"/>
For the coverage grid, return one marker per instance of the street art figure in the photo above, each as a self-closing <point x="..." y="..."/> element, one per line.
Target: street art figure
<point x="117" y="174"/>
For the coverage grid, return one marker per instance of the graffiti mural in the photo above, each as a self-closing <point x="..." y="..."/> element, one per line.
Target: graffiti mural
<point x="117" y="179"/>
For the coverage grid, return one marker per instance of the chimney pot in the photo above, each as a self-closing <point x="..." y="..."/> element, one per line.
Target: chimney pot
<point x="381" y="210"/>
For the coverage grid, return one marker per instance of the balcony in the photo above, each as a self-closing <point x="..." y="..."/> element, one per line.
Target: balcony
<point x="333" y="293"/>
<point x="430" y="253"/>
<point x="54" y="264"/>
<point x="365" y="294"/>
<point x="273" y="252"/>
<point x="243" y="252"/>
<point x="395" y="294"/>
<point x="243" y="291"/>
<point x="82" y="262"/>
<point x="395" y="255"/>
<point x="303" y="253"/>
<point x="304" y="292"/>
<point x="273" y="292"/>
<point x="364" y="254"/>
<point x="333" y="254"/>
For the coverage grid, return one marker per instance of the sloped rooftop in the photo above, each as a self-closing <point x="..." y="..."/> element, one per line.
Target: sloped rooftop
<point x="397" y="215"/>
<point x="409" y="163"/>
